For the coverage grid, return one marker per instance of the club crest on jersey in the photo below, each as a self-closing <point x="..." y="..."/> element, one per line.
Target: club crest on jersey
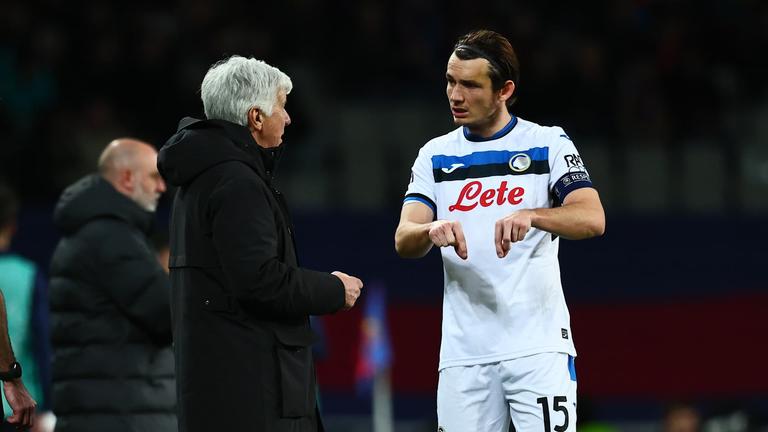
<point x="519" y="162"/>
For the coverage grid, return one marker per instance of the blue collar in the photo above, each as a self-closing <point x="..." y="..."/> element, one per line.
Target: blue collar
<point x="505" y="130"/>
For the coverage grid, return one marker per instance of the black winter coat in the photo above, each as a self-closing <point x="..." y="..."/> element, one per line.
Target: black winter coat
<point x="240" y="302"/>
<point x="110" y="317"/>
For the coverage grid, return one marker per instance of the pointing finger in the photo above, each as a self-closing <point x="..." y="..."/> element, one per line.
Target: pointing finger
<point x="461" y="242"/>
<point x="498" y="232"/>
<point x="506" y="238"/>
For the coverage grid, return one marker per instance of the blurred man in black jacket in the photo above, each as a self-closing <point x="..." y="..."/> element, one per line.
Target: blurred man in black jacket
<point x="240" y="301"/>
<point x="109" y="296"/>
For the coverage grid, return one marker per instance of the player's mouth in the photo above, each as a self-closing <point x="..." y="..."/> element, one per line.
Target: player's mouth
<point x="459" y="112"/>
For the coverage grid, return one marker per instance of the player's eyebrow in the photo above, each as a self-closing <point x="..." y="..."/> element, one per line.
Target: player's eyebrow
<point x="469" y="83"/>
<point x="465" y="83"/>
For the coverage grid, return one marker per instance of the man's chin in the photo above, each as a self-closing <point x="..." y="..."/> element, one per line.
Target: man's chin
<point x="461" y="121"/>
<point x="151" y="206"/>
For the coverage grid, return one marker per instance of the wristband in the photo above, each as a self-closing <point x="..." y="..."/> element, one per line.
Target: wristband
<point x="13" y="373"/>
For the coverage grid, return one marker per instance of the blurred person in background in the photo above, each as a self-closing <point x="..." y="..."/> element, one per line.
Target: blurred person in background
<point x="18" y="397"/>
<point x="26" y="304"/>
<point x="21" y="403"/>
<point x="499" y="191"/>
<point x="240" y="300"/>
<point x="109" y="300"/>
<point x="681" y="417"/>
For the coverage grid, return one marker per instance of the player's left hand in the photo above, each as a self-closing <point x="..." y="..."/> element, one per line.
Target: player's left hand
<point x="511" y="229"/>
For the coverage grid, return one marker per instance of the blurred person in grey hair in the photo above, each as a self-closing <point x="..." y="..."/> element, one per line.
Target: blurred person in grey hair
<point x="241" y="302"/>
<point x="109" y="299"/>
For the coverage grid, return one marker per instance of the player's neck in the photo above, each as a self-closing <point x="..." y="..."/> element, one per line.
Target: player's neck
<point x="493" y="126"/>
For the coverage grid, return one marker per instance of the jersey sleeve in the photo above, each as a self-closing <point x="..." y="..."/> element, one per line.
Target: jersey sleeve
<point x="568" y="171"/>
<point x="422" y="185"/>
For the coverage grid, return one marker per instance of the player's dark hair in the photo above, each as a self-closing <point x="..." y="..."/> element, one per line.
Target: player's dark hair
<point x="502" y="60"/>
<point x="9" y="205"/>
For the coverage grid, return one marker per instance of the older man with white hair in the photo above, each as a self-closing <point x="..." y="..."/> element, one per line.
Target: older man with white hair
<point x="240" y="301"/>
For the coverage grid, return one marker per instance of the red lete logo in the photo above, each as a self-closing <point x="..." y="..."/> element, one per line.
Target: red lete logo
<point x="473" y="194"/>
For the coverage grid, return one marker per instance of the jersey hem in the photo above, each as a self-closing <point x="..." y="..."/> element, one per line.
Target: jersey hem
<point x="494" y="358"/>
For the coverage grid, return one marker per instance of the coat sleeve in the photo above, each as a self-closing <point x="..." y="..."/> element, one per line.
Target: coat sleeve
<point x="136" y="281"/>
<point x="245" y="237"/>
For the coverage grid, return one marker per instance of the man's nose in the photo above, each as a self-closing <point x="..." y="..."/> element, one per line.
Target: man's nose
<point x="456" y="95"/>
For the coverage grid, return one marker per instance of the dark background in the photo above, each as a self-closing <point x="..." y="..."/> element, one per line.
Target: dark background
<point x="666" y="100"/>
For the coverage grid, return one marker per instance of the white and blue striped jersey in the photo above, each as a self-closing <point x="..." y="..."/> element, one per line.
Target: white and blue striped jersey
<point x="499" y="308"/>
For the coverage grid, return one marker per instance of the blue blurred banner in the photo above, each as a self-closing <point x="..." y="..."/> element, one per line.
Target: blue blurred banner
<point x="375" y="353"/>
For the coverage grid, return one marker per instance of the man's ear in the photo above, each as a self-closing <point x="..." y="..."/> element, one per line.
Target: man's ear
<point x="507" y="90"/>
<point x="126" y="179"/>
<point x="255" y="119"/>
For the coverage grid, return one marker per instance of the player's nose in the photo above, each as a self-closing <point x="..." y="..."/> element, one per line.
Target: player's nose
<point x="455" y="95"/>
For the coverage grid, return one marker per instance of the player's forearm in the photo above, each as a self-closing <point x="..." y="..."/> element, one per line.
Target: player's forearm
<point x="412" y="240"/>
<point x="6" y="352"/>
<point x="575" y="221"/>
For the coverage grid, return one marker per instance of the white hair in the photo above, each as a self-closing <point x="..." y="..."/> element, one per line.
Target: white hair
<point x="233" y="86"/>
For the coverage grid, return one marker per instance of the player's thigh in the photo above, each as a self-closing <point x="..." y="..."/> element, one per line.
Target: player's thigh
<point x="541" y="391"/>
<point x="471" y="398"/>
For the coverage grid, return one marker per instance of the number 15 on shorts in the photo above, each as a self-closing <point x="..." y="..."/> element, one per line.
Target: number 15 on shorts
<point x="559" y="405"/>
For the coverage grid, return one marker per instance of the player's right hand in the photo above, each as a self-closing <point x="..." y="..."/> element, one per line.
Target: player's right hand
<point x="21" y="403"/>
<point x="445" y="233"/>
<point x="352" y="287"/>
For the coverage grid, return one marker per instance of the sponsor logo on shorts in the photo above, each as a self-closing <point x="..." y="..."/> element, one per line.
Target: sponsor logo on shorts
<point x="564" y="333"/>
<point x="440" y="429"/>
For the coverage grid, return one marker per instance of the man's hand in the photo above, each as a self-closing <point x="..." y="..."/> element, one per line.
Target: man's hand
<point x="445" y="233"/>
<point x="511" y="229"/>
<point x="21" y="403"/>
<point x="352" y="287"/>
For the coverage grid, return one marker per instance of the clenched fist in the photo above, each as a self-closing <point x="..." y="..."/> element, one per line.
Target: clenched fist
<point x="352" y="287"/>
<point x="449" y="233"/>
